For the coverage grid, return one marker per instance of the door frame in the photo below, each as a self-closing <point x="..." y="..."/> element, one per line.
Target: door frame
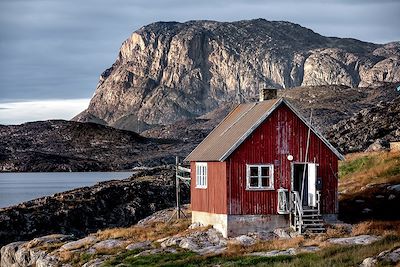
<point x="292" y="171"/>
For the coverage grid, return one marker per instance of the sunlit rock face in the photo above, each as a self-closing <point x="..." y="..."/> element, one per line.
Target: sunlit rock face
<point x="167" y="71"/>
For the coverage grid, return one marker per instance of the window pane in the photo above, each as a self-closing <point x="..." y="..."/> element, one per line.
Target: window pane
<point x="264" y="171"/>
<point x="265" y="181"/>
<point x="253" y="181"/>
<point x="253" y="171"/>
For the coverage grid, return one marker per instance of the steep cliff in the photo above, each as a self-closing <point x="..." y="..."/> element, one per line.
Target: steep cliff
<point x="168" y="71"/>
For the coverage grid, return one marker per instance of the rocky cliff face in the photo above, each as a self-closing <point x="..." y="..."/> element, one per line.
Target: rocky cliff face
<point x="169" y="71"/>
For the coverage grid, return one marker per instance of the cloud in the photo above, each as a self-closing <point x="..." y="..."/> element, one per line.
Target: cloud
<point x="20" y="112"/>
<point x="57" y="49"/>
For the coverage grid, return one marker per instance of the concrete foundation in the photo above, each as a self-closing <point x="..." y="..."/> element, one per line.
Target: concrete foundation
<point x="234" y="225"/>
<point x="244" y="224"/>
<point x="218" y="221"/>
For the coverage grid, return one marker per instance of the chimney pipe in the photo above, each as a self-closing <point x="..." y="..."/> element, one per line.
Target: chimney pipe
<point x="267" y="94"/>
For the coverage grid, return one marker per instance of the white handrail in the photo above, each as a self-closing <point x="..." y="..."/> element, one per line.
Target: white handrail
<point x="298" y="209"/>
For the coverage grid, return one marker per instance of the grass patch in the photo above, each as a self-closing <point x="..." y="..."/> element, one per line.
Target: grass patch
<point x="355" y="165"/>
<point x="361" y="169"/>
<point x="330" y="256"/>
<point x="151" y="232"/>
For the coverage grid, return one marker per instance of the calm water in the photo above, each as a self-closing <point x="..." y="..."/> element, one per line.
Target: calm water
<point x="19" y="187"/>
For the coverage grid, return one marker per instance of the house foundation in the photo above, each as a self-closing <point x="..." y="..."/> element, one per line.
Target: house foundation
<point x="235" y="225"/>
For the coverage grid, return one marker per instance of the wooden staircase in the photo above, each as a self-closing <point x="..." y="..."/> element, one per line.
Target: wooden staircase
<point x="312" y="222"/>
<point x="306" y="219"/>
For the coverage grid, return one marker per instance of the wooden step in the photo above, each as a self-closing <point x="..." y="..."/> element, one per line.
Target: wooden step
<point x="311" y="215"/>
<point x="310" y="210"/>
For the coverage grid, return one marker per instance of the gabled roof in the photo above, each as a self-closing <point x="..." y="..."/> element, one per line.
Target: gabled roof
<point x="237" y="126"/>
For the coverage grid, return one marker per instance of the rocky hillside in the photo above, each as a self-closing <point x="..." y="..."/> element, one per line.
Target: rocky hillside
<point x="168" y="71"/>
<point x="73" y="146"/>
<point x="371" y="128"/>
<point x="339" y="112"/>
<point x="84" y="210"/>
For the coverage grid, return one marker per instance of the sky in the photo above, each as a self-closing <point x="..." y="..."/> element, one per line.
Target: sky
<point x="53" y="51"/>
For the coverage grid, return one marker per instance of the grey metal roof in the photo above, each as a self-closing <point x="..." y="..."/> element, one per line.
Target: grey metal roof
<point x="237" y="126"/>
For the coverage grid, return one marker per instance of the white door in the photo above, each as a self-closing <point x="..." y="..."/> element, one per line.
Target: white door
<point x="312" y="180"/>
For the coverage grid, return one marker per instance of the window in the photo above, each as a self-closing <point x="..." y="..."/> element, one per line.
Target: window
<point x="260" y="177"/>
<point x="201" y="175"/>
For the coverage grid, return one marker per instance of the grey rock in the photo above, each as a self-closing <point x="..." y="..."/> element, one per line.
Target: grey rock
<point x="188" y="243"/>
<point x="387" y="257"/>
<point x="139" y="245"/>
<point x="391" y="197"/>
<point x="274" y="253"/>
<point x="172" y="241"/>
<point x="47" y="240"/>
<point x="244" y="240"/>
<point x="84" y="242"/>
<point x="368" y="262"/>
<point x="109" y="244"/>
<point x="355" y="240"/>
<point x="309" y="249"/>
<point x="282" y="233"/>
<point x="211" y="250"/>
<point x="8" y="253"/>
<point x="195" y="225"/>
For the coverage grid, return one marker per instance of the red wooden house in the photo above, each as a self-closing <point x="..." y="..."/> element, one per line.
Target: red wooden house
<point x="264" y="166"/>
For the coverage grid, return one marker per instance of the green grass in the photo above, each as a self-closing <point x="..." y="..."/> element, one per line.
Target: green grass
<point x="356" y="165"/>
<point x="331" y="256"/>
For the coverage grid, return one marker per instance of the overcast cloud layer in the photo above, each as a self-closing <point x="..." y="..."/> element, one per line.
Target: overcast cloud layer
<point x="57" y="49"/>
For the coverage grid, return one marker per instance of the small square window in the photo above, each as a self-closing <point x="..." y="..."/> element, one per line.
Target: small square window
<point x="260" y="177"/>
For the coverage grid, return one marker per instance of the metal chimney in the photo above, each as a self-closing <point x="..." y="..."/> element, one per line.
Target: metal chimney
<point x="267" y="94"/>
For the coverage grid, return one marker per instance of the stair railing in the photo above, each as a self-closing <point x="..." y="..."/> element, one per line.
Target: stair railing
<point x="318" y="202"/>
<point x="298" y="210"/>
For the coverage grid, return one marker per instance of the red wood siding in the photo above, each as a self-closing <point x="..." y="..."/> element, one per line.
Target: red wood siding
<point x="283" y="133"/>
<point x="214" y="198"/>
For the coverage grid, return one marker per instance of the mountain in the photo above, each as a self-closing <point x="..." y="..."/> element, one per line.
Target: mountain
<point x="169" y="71"/>
<point x="73" y="146"/>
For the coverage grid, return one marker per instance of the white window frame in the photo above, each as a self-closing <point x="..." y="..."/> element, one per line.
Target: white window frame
<point x="201" y="175"/>
<point x="260" y="187"/>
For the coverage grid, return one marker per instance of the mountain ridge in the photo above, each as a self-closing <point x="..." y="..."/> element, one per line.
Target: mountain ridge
<point x="168" y="71"/>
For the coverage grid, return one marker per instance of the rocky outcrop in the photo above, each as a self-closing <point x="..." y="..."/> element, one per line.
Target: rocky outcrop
<point x="168" y="71"/>
<point x="388" y="257"/>
<point x="72" y="146"/>
<point x="371" y="128"/>
<point x="84" y="210"/>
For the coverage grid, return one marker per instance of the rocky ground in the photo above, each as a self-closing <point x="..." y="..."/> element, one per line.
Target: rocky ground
<point x="84" y="210"/>
<point x="114" y="247"/>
